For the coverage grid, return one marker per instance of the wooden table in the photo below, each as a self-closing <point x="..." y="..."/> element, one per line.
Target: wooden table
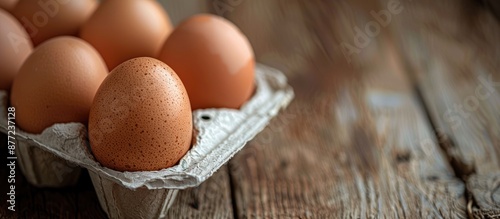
<point x="404" y="125"/>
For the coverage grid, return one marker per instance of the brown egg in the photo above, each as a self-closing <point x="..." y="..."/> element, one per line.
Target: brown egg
<point x="57" y="84"/>
<point x="140" y="119"/>
<point x="50" y="18"/>
<point x="8" y="5"/>
<point x="15" y="47"/>
<point x="214" y="61"/>
<point x="125" y="29"/>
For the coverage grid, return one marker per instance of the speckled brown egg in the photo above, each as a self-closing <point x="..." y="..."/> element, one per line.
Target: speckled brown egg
<point x="15" y="47"/>
<point x="57" y="84"/>
<point x="124" y="29"/>
<point x="140" y="119"/>
<point x="50" y="18"/>
<point x="214" y="60"/>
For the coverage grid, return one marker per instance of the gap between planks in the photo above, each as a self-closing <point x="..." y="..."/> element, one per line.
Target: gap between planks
<point x="446" y="47"/>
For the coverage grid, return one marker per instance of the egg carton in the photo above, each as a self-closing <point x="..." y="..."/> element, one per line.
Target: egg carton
<point x="55" y="157"/>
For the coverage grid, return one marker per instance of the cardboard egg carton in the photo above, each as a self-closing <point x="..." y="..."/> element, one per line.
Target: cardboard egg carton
<point x="54" y="157"/>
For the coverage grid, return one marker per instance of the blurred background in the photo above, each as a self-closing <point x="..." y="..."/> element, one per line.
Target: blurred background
<point x="286" y="33"/>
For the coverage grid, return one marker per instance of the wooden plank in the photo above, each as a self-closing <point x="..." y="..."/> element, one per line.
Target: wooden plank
<point x="355" y="143"/>
<point x="211" y="199"/>
<point x="485" y="188"/>
<point x="453" y="50"/>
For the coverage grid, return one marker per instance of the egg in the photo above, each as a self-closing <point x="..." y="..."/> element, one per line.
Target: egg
<point x="124" y="29"/>
<point x="50" y="18"/>
<point x="8" y="4"/>
<point x="57" y="84"/>
<point x="214" y="60"/>
<point x="141" y="118"/>
<point x="15" y="47"/>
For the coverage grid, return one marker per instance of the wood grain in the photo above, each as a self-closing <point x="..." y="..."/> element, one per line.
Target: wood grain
<point x="355" y="143"/>
<point x="452" y="48"/>
<point x="212" y="199"/>
<point x="488" y="186"/>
